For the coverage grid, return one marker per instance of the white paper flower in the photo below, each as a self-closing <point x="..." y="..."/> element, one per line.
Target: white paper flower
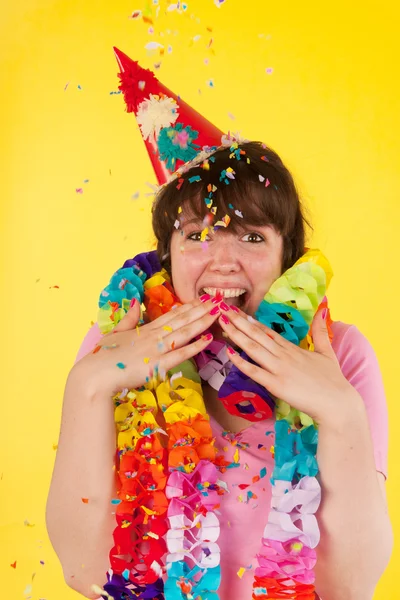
<point x="156" y="112"/>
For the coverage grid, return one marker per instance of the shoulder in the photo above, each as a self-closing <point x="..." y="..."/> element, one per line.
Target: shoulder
<point x="350" y="344"/>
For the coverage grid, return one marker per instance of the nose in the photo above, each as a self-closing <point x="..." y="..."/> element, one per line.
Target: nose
<point x="225" y="255"/>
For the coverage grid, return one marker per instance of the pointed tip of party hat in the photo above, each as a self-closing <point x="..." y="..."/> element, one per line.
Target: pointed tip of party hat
<point x="174" y="133"/>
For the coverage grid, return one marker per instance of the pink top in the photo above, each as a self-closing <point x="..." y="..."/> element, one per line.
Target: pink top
<point x="244" y="511"/>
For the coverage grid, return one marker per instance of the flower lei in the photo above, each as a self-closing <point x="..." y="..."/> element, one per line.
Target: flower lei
<point x="165" y="541"/>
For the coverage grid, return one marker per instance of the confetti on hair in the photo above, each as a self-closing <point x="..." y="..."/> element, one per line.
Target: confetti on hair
<point x="121" y="365"/>
<point x="267" y="183"/>
<point x="181" y="180"/>
<point x="265" y="158"/>
<point x="176" y="224"/>
<point x="194" y="179"/>
<point x="261" y="178"/>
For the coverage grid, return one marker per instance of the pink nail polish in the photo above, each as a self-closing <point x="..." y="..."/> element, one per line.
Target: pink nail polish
<point x="230" y="350"/>
<point x="234" y="308"/>
<point x="225" y="319"/>
<point x="324" y="313"/>
<point x="214" y="310"/>
<point x="224" y="306"/>
<point x="133" y="302"/>
<point x="204" y="297"/>
<point x="217" y="299"/>
<point x="207" y="337"/>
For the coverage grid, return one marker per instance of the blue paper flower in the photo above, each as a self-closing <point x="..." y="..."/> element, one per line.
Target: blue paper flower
<point x="176" y="143"/>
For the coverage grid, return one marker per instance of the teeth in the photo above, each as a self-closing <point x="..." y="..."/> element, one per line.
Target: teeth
<point x="227" y="293"/>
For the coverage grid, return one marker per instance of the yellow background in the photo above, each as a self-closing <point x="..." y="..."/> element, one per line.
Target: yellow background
<point x="331" y="110"/>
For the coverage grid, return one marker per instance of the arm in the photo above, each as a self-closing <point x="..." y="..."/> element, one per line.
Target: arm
<point x="81" y="534"/>
<point x="356" y="534"/>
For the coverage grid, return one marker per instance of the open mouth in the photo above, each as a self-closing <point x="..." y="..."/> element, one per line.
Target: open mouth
<point x="239" y="301"/>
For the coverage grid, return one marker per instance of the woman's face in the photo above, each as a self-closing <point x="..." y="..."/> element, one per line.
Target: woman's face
<point x="250" y="259"/>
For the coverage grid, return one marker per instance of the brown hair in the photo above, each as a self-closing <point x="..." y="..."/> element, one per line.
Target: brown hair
<point x="277" y="204"/>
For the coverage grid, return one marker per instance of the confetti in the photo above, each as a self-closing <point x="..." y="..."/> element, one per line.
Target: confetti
<point x="136" y="14"/>
<point x="231" y="116"/>
<point x="236" y="456"/>
<point x="210" y="83"/>
<point x="27" y="524"/>
<point x="241" y="572"/>
<point x="135" y="196"/>
<point x="14" y="565"/>
<point x="66" y="86"/>
<point x="153" y="46"/>
<point x="194" y="179"/>
<point x="146" y="360"/>
<point x="85" y="500"/>
<point x="167" y="328"/>
<point x="116" y="501"/>
<point x="121" y="365"/>
<point x="267" y="183"/>
<point x="239" y="214"/>
<point x="79" y="87"/>
<point x="219" y="3"/>
<point x="86" y="181"/>
<point x="269" y="70"/>
<point x="55" y="446"/>
<point x="79" y="190"/>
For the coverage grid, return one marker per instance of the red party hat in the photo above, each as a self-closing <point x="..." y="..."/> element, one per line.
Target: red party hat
<point x="173" y="132"/>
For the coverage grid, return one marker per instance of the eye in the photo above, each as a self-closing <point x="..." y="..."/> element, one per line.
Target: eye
<point x="253" y="233"/>
<point x="189" y="236"/>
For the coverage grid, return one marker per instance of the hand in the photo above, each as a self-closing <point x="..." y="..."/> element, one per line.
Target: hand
<point x="163" y="342"/>
<point x="311" y="382"/>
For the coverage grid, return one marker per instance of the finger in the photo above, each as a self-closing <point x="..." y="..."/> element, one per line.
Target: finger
<point x="198" y="311"/>
<point x="190" y="326"/>
<point x="254" y="372"/>
<point x="238" y="317"/>
<point x="129" y="320"/>
<point x="178" y="356"/>
<point x="257" y="345"/>
<point x="179" y="309"/>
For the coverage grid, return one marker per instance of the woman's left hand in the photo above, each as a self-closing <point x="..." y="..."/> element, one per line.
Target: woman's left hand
<point x="311" y="382"/>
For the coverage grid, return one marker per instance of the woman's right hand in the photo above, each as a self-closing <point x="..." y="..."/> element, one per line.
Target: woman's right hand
<point x="163" y="342"/>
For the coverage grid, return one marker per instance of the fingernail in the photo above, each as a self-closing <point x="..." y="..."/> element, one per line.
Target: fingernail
<point x="205" y="297"/>
<point x="225" y="319"/>
<point x="133" y="302"/>
<point x="224" y="306"/>
<point x="234" y="308"/>
<point x="207" y="337"/>
<point x="214" y="310"/>
<point x="230" y="350"/>
<point x="217" y="299"/>
<point x="324" y="313"/>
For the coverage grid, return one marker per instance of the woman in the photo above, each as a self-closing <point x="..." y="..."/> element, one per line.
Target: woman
<point x="220" y="276"/>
